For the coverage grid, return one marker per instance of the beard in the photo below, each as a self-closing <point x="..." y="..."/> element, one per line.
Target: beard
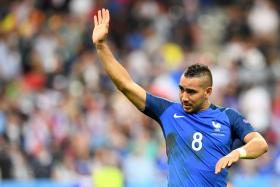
<point x="193" y="107"/>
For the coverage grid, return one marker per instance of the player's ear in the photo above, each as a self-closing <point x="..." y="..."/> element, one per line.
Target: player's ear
<point x="208" y="91"/>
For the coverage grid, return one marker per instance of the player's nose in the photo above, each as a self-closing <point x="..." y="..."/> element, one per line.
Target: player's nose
<point x="185" y="97"/>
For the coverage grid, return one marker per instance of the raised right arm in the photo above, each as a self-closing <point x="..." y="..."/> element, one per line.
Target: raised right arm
<point x="117" y="73"/>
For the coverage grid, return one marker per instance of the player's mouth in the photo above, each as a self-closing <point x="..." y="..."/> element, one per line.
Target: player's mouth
<point x="187" y="106"/>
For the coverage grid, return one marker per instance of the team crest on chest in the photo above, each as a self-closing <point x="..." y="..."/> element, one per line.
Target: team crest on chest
<point x="217" y="126"/>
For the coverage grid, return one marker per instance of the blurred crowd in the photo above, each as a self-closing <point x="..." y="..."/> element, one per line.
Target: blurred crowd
<point x="61" y="118"/>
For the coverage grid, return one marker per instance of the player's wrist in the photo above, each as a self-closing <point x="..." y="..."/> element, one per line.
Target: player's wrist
<point x="234" y="155"/>
<point x="100" y="44"/>
<point x="242" y="152"/>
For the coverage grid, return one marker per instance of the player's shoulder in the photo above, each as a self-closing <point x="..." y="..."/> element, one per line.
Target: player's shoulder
<point x="157" y="105"/>
<point x="158" y="99"/>
<point x="224" y="109"/>
<point x="231" y="113"/>
<point x="228" y="111"/>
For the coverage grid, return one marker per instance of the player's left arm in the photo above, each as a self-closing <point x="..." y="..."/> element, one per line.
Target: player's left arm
<point x="255" y="146"/>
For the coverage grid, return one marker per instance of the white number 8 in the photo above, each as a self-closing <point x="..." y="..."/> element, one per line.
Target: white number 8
<point x="197" y="143"/>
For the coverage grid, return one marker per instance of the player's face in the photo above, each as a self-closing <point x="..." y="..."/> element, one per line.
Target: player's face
<point x="194" y="93"/>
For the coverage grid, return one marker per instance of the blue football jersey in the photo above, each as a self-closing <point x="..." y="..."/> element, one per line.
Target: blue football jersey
<point x="196" y="141"/>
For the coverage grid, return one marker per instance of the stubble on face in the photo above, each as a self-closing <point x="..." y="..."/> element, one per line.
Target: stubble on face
<point x="193" y="93"/>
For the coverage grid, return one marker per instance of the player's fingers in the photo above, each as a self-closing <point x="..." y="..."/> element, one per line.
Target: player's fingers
<point x="99" y="17"/>
<point x="103" y="14"/>
<point x="107" y="13"/>
<point x="95" y="21"/>
<point x="229" y="163"/>
<point x="224" y="164"/>
<point x="217" y="170"/>
<point x="218" y="167"/>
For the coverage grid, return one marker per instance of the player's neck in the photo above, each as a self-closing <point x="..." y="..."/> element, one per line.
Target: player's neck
<point x="205" y="105"/>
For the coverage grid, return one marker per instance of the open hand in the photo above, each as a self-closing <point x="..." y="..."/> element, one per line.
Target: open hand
<point x="227" y="161"/>
<point x="101" y="26"/>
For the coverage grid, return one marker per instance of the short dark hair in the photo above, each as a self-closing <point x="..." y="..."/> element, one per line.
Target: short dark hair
<point x="198" y="70"/>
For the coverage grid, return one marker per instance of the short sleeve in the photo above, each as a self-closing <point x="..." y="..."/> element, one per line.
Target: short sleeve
<point x="239" y="125"/>
<point x="155" y="106"/>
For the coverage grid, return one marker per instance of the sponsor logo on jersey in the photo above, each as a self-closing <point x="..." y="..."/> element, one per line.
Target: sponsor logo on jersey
<point x="176" y="116"/>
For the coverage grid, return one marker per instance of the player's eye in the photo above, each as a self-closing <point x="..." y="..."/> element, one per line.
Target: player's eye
<point x="181" y="89"/>
<point x="189" y="91"/>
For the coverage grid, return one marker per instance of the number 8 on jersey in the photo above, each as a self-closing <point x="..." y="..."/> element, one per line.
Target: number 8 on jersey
<point x="197" y="141"/>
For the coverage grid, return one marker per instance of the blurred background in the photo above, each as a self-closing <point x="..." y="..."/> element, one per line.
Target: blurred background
<point x="63" y="123"/>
